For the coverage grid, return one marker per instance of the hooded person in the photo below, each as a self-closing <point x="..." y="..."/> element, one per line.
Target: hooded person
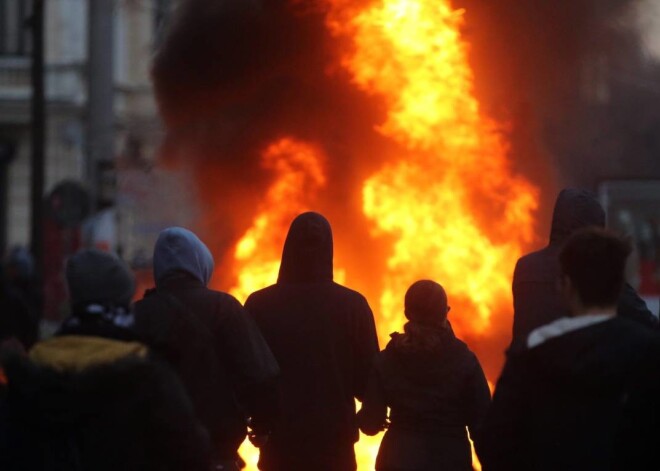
<point x="22" y="279"/>
<point x="323" y="336"/>
<point x="93" y="397"/>
<point x="536" y="298"/>
<point x="434" y="387"/>
<point x="585" y="393"/>
<point x="215" y="348"/>
<point x="17" y="326"/>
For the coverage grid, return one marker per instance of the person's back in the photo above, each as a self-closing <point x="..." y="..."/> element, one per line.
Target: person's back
<point x="323" y="337"/>
<point x="575" y="392"/>
<point x="210" y="342"/>
<point x="536" y="298"/>
<point x="92" y="397"/>
<point x="16" y="321"/>
<point x="434" y="387"/>
<point x="22" y="279"/>
<point x="584" y="394"/>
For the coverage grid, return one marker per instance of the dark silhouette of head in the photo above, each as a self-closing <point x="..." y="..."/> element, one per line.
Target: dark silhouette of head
<point x="426" y="303"/>
<point x="97" y="277"/>
<point x="308" y="252"/>
<point x="593" y="259"/>
<point x="575" y="209"/>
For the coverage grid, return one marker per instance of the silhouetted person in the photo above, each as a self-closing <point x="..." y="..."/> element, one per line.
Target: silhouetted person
<point x="324" y="338"/>
<point x="585" y="393"/>
<point x="216" y="349"/>
<point x="536" y="298"/>
<point x="434" y="387"/>
<point x="22" y="279"/>
<point x="17" y="328"/>
<point x="92" y="397"/>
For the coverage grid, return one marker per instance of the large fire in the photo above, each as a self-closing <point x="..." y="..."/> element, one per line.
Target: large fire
<point x="446" y="198"/>
<point x="299" y="175"/>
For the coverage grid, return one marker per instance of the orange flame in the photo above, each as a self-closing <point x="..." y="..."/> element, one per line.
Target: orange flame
<point x="453" y="163"/>
<point x="298" y="169"/>
<point x="447" y="197"/>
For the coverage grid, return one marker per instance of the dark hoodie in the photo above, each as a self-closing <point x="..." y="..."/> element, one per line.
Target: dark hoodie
<point x="585" y="400"/>
<point x="324" y="338"/>
<point x="435" y="388"/>
<point x="211" y="343"/>
<point x="536" y="298"/>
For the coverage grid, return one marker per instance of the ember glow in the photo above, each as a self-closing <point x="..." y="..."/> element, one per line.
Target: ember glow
<point x="446" y="198"/>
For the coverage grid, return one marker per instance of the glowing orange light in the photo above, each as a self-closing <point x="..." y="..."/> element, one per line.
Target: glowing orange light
<point x="447" y="196"/>
<point x="298" y="176"/>
<point x="410" y="53"/>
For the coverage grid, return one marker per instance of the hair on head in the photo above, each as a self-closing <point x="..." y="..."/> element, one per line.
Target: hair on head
<point x="594" y="260"/>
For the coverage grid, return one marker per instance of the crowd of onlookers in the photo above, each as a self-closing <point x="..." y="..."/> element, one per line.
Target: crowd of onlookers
<point x="179" y="379"/>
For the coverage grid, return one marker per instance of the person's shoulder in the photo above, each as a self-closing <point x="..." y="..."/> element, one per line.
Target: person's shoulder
<point x="463" y="353"/>
<point x="630" y="327"/>
<point x="633" y="333"/>
<point x="349" y="292"/>
<point x="221" y="299"/>
<point x="261" y="294"/>
<point x="536" y="257"/>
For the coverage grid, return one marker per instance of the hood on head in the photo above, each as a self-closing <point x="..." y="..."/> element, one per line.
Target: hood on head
<point x="97" y="277"/>
<point x="179" y="250"/>
<point x="21" y="263"/>
<point x="307" y="254"/>
<point x="575" y="209"/>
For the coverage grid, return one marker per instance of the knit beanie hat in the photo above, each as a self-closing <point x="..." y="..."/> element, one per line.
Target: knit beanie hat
<point x="426" y="302"/>
<point x="96" y="277"/>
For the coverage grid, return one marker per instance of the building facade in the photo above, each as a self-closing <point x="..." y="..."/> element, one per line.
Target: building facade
<point x="134" y="127"/>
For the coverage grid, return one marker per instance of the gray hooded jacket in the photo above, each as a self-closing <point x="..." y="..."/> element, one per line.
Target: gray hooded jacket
<point x="209" y="341"/>
<point x="179" y="250"/>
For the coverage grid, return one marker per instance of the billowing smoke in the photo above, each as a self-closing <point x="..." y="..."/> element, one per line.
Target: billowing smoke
<point x="567" y="80"/>
<point x="647" y="19"/>
<point x="231" y="77"/>
<point x="576" y="83"/>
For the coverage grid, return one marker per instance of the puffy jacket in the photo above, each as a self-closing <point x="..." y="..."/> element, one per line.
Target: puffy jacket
<point x="434" y="392"/>
<point x="86" y="402"/>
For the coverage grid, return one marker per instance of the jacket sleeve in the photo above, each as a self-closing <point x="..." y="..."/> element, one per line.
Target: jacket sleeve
<point x="175" y="434"/>
<point x="365" y="347"/>
<point x="372" y="416"/>
<point x="477" y="398"/>
<point x="633" y="307"/>
<point x="521" y="308"/>
<point x="501" y="442"/>
<point x="252" y="366"/>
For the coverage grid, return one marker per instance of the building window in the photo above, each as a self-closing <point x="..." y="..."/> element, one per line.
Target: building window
<point x="15" y="37"/>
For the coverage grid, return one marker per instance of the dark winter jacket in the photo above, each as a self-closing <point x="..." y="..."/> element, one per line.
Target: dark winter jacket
<point x="536" y="297"/>
<point x="22" y="279"/>
<point x="324" y="338"/>
<point x="17" y="321"/>
<point x="217" y="351"/>
<point x="91" y="403"/>
<point x="585" y="400"/>
<point x="434" y="387"/>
